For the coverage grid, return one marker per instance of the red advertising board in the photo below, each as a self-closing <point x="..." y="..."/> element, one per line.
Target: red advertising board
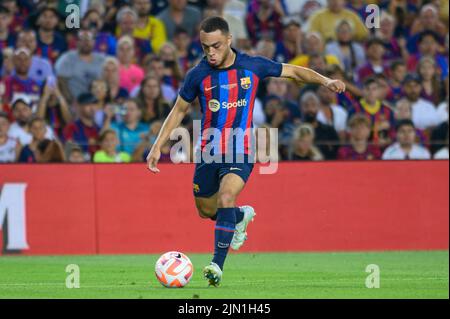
<point x="327" y="206"/>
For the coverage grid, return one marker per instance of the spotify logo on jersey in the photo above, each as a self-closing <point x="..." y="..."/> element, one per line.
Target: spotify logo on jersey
<point x="214" y="105"/>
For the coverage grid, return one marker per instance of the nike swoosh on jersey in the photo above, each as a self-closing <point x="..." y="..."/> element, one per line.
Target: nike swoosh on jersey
<point x="209" y="89"/>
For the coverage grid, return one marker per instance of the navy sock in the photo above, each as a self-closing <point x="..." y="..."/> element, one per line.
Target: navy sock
<point x="224" y="231"/>
<point x="239" y="215"/>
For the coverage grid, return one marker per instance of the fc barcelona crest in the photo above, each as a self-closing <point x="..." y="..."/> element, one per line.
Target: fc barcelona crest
<point x="246" y="83"/>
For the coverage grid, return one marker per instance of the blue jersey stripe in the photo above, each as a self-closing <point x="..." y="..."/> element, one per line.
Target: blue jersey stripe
<point x="224" y="96"/>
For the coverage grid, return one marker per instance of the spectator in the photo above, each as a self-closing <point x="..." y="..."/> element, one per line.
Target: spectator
<point x="432" y="88"/>
<point x="326" y="137"/>
<point x="403" y="111"/>
<point x="182" y="43"/>
<point x="360" y="147"/>
<point x="18" y="14"/>
<point x="380" y="115"/>
<point x="20" y="130"/>
<point x="155" y="66"/>
<point x="330" y="113"/>
<point x="291" y="44"/>
<point x="141" y="151"/>
<point x="131" y="74"/>
<point x="397" y="74"/>
<point x="53" y="107"/>
<point x="6" y="65"/>
<point x="237" y="26"/>
<point x="99" y="89"/>
<point x="9" y="147"/>
<point x="40" y="69"/>
<point x="428" y="46"/>
<point x="20" y="82"/>
<point x="105" y="42"/>
<point x="405" y="148"/>
<point x="404" y="12"/>
<point x="427" y="20"/>
<point x="352" y="93"/>
<point x="266" y="48"/>
<point x="83" y="131"/>
<point x="179" y="14"/>
<point x="111" y="75"/>
<point x="424" y="113"/>
<point x="76" y="155"/>
<point x="127" y="22"/>
<point x="350" y="53"/>
<point x="439" y="136"/>
<point x="395" y="47"/>
<point x="325" y="20"/>
<point x="48" y="151"/>
<point x="314" y="46"/>
<point x="28" y="153"/>
<point x="302" y="147"/>
<point x="172" y="71"/>
<point x="375" y="64"/>
<point x="131" y="131"/>
<point x="76" y="69"/>
<point x="303" y="8"/>
<point x="107" y="152"/>
<point x="148" y="27"/>
<point x="7" y="39"/>
<point x="151" y="102"/>
<point x="50" y="43"/>
<point x="279" y="87"/>
<point x="266" y="147"/>
<point x="443" y="153"/>
<point x="265" y="22"/>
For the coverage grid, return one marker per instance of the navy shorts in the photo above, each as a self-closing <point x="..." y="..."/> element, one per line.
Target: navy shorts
<point x="207" y="176"/>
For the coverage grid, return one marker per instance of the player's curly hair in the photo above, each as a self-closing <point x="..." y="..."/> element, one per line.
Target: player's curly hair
<point x="212" y="24"/>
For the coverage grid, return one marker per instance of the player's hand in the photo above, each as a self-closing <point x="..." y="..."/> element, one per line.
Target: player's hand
<point x="152" y="159"/>
<point x="335" y="85"/>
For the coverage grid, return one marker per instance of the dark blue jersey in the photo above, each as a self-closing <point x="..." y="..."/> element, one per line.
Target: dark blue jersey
<point x="227" y="97"/>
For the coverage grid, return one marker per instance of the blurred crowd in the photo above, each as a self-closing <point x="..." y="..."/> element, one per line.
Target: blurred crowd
<point x="100" y="91"/>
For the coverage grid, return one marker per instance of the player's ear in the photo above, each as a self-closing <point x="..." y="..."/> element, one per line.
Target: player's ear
<point x="229" y="39"/>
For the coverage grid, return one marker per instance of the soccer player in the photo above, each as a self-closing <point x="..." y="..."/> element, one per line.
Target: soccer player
<point x="225" y="82"/>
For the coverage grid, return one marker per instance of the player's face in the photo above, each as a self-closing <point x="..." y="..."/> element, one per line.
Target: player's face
<point x="217" y="47"/>
<point x="406" y="135"/>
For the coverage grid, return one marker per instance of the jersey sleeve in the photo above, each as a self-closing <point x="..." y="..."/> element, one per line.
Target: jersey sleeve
<point x="190" y="88"/>
<point x="267" y="68"/>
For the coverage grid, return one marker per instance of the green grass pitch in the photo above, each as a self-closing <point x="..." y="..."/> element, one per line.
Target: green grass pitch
<point x="247" y="275"/>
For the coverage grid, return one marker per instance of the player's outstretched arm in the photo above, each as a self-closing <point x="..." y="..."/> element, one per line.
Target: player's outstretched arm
<point x="306" y="75"/>
<point x="172" y="121"/>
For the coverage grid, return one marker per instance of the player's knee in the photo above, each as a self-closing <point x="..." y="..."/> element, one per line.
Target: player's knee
<point x="226" y="199"/>
<point x="205" y="212"/>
